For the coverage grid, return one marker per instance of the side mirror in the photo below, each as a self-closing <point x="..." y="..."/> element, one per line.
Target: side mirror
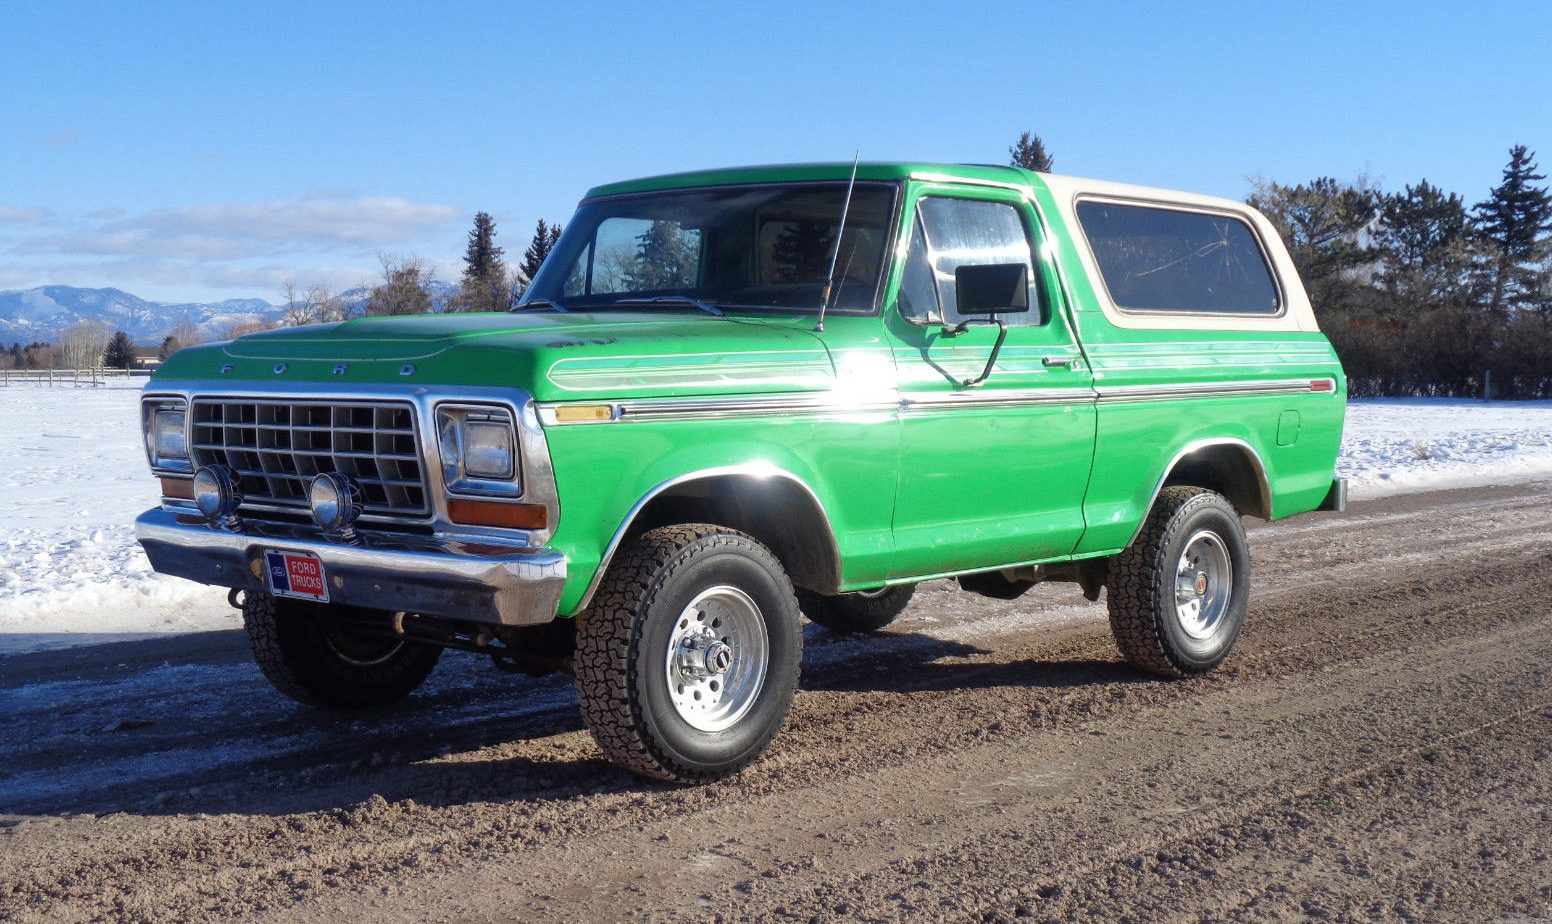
<point x="992" y="288"/>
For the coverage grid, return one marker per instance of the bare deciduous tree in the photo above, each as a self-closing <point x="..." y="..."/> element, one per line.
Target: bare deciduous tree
<point x="186" y="332"/>
<point x="405" y="286"/>
<point x="81" y="345"/>
<point x="319" y="304"/>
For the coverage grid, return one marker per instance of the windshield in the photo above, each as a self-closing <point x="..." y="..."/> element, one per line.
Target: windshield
<point x="751" y="247"/>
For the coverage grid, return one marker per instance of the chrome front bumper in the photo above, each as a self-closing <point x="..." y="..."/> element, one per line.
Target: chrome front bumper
<point x="457" y="579"/>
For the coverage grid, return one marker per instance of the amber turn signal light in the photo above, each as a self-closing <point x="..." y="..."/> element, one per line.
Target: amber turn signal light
<point x="179" y="488"/>
<point x="490" y="513"/>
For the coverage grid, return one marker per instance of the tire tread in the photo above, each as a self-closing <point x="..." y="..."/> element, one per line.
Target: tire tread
<point x="1132" y="592"/>
<point x="609" y="631"/>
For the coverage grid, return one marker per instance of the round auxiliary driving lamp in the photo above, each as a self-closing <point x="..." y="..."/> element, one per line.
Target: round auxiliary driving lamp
<point x="336" y="504"/>
<point x="216" y="495"/>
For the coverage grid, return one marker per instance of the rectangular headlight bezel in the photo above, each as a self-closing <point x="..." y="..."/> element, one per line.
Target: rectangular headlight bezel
<point x="164" y="423"/>
<point x="479" y="450"/>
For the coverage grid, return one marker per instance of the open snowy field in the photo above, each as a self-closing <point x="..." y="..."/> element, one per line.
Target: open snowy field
<point x="73" y="477"/>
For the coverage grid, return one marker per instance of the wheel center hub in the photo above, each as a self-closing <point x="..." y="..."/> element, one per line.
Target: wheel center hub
<point x="704" y="655"/>
<point x="1201" y="584"/>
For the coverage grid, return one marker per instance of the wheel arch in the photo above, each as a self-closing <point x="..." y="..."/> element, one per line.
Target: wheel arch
<point x="774" y="506"/>
<point x="1225" y="464"/>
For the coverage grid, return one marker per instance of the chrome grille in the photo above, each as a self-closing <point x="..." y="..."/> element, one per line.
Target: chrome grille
<point x="276" y="446"/>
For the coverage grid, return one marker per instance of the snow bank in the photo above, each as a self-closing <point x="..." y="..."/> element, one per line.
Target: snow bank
<point x="1397" y="445"/>
<point x="73" y="478"/>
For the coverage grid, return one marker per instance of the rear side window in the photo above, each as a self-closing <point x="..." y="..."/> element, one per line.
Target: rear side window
<point x="1160" y="259"/>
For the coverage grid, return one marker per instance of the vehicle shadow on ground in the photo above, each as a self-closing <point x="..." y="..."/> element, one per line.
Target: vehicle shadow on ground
<point x="477" y="735"/>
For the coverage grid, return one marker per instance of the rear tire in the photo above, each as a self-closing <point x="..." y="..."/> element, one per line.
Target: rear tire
<point x="1178" y="594"/>
<point x="304" y="653"/>
<point x="867" y="611"/>
<point x="687" y="658"/>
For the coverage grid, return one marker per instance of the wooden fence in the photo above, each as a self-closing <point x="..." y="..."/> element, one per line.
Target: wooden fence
<point x="75" y="378"/>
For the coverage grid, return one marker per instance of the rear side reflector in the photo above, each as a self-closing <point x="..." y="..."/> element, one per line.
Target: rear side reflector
<point x="490" y="513"/>
<point x="1322" y="385"/>
<point x="179" y="488"/>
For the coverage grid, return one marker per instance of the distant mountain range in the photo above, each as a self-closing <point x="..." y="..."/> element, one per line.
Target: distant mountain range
<point x="40" y="314"/>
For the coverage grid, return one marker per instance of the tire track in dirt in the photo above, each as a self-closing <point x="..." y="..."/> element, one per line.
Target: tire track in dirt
<point x="940" y="752"/>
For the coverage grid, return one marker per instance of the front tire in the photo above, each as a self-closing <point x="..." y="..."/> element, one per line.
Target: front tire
<point x="687" y="659"/>
<point x="307" y="655"/>
<point x="866" y="611"/>
<point x="1178" y="594"/>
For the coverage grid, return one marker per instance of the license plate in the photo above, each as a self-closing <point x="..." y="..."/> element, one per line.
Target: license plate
<point x="296" y="574"/>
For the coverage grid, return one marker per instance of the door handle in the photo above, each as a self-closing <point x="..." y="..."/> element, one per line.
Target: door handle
<point x="1051" y="361"/>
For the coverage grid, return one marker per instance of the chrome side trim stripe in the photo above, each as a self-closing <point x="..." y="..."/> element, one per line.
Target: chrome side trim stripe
<point x="658" y="409"/>
<point x="1124" y="393"/>
<point x="759" y="406"/>
<point x="1021" y="397"/>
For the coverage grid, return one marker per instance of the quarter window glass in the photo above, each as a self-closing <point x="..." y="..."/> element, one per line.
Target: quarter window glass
<point x="970" y="232"/>
<point x="1157" y="259"/>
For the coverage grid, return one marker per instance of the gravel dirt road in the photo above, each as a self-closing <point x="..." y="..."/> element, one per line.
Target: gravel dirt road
<point x="1379" y="747"/>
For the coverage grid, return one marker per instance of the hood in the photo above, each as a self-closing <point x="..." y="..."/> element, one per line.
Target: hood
<point x="552" y="356"/>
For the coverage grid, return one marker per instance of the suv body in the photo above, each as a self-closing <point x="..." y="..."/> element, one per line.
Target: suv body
<point x="1015" y="375"/>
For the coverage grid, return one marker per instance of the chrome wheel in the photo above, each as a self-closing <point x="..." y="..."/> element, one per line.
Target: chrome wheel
<point x="1204" y="582"/>
<point x="718" y="655"/>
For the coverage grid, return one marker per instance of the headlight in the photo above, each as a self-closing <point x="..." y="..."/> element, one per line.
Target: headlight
<point x="487" y="449"/>
<point x="166" y="442"/>
<point x="479" y="450"/>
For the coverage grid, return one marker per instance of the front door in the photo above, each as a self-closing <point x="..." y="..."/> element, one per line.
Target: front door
<point x="991" y="473"/>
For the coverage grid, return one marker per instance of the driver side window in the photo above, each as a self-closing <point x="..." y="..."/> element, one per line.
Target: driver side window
<point x="950" y="233"/>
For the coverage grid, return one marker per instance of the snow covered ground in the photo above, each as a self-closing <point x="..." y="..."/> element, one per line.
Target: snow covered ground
<point x="73" y="478"/>
<point x="1393" y="445"/>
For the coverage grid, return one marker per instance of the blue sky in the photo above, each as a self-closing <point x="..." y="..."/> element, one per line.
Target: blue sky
<point x="213" y="150"/>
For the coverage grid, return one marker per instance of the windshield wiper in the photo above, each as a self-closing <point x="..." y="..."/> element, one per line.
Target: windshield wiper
<point x="540" y="304"/>
<point x="684" y="300"/>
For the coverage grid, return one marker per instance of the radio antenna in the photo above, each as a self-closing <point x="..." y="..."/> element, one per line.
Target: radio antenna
<point x="835" y="253"/>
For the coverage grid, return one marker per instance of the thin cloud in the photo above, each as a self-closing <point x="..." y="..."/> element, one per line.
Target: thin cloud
<point x="14" y="215"/>
<point x="232" y="231"/>
<point x="330" y="236"/>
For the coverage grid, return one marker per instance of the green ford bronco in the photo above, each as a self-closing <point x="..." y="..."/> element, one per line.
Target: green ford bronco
<point x="733" y="397"/>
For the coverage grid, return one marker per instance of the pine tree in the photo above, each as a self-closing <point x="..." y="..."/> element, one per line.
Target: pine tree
<point x="482" y="258"/>
<point x="170" y="345"/>
<point x="485" y="286"/>
<point x="1512" y="223"/>
<point x="1322" y="222"/>
<point x="545" y="236"/>
<point x="1029" y="152"/>
<point x="119" y="353"/>
<point x="1422" y="239"/>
